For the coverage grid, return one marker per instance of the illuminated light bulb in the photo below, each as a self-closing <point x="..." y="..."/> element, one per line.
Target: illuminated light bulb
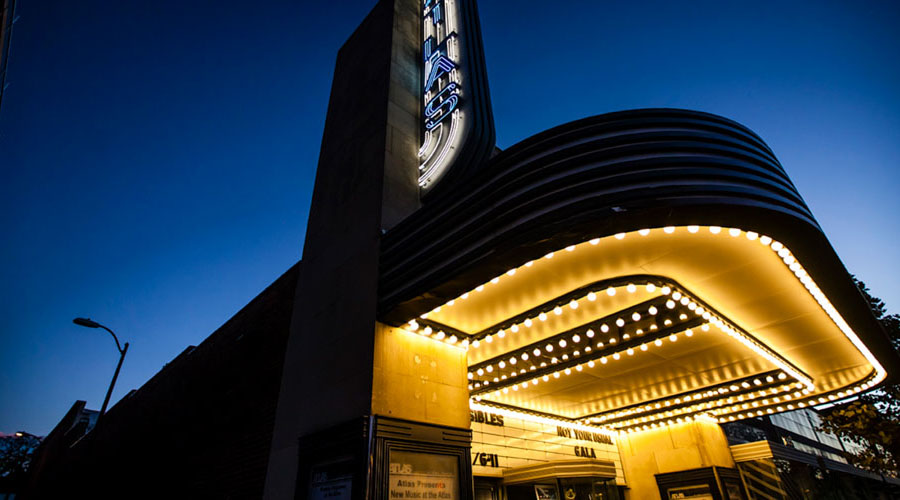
<point x="573" y="305"/>
<point x="651" y="288"/>
<point x="548" y="347"/>
<point x="782" y="376"/>
<point x="542" y="316"/>
<point x="670" y="304"/>
<point x="610" y="291"/>
<point x="592" y="296"/>
<point x="567" y="371"/>
<point x="489" y="368"/>
<point x="734" y="232"/>
<point x="427" y="330"/>
<point x="705" y="327"/>
<point x="590" y="334"/>
<point x="639" y="331"/>
<point x="603" y="360"/>
<point x="570" y="248"/>
<point x="479" y="288"/>
<point x="682" y="316"/>
<point x="653" y="310"/>
<point x="757" y="381"/>
<point x="667" y="322"/>
<point x="715" y="229"/>
<point x="590" y="364"/>
<point x="691" y="306"/>
<point x="513" y="360"/>
<point x="669" y="229"/>
<point x="528" y="322"/>
<point x="534" y="382"/>
<point x="689" y="333"/>
<point x="636" y="316"/>
<point x="644" y="232"/>
<point x="413" y="325"/>
<point x="565" y="357"/>
<point x="549" y="255"/>
<point x="631" y="288"/>
<point x="579" y="368"/>
<point x="495" y="280"/>
<point x="529" y="263"/>
<point x="626" y="336"/>
<point x="644" y="347"/>
<point x="555" y="374"/>
<point x="776" y="245"/>
<point x="620" y="236"/>
<point x="545" y="378"/>
<point x="620" y="322"/>
<point x="604" y="328"/>
<point x="765" y="240"/>
<point x="557" y="310"/>
<point x="553" y="360"/>
<point x="536" y="351"/>
<point x="501" y="364"/>
<point x="665" y="290"/>
<point x="751" y="235"/>
<point x="770" y="379"/>
<point x="505" y="390"/>
<point x="480" y="371"/>
<point x="464" y="343"/>
<point x="673" y="337"/>
<point x="502" y="334"/>
<point x="562" y="343"/>
<point x="630" y="351"/>
<point x="616" y="356"/>
<point x="489" y="339"/>
<point x="693" y="229"/>
<point x="511" y="272"/>
<point x="595" y="241"/>
<point x="684" y="301"/>
<point x="676" y="295"/>
<point x="476" y="343"/>
<point x="452" y="339"/>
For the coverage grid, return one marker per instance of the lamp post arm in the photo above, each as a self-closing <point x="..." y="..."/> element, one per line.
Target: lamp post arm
<point x="118" y="346"/>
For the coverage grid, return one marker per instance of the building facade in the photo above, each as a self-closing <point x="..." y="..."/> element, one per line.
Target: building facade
<point x="574" y="317"/>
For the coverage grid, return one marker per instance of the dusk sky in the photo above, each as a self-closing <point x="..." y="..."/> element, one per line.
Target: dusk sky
<point x="158" y="158"/>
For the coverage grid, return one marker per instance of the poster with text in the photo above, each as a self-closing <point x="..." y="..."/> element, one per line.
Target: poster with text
<point x="423" y="476"/>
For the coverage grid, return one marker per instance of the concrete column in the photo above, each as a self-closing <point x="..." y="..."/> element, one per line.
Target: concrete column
<point x="366" y="182"/>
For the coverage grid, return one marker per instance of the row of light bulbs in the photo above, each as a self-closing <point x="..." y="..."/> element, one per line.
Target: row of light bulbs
<point x="740" y="412"/>
<point x="705" y="396"/>
<point x="540" y="419"/>
<point x="711" y="407"/>
<point x="676" y="295"/>
<point x="576" y="338"/>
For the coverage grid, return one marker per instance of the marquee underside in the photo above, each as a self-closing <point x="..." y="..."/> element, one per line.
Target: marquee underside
<point x="655" y="325"/>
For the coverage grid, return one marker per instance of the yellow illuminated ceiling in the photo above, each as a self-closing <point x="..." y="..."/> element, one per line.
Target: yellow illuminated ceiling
<point x="752" y="284"/>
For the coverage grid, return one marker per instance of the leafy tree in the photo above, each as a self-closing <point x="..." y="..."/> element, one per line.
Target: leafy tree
<point x="872" y="422"/>
<point x="15" y="453"/>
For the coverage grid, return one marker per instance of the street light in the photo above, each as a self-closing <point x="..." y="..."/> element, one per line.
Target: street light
<point x="87" y="322"/>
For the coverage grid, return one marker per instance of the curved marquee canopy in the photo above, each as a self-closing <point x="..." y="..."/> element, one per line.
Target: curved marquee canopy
<point x="634" y="269"/>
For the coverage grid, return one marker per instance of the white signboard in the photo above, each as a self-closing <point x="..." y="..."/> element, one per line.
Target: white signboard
<point x="502" y="441"/>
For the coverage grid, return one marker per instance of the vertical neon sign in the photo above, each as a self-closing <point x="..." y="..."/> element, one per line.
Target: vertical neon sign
<point x="443" y="90"/>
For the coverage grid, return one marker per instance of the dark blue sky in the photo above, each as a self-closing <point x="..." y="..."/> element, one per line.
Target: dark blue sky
<point x="158" y="157"/>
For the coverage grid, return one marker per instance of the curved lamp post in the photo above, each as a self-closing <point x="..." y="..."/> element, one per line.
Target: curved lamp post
<point x="87" y="322"/>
